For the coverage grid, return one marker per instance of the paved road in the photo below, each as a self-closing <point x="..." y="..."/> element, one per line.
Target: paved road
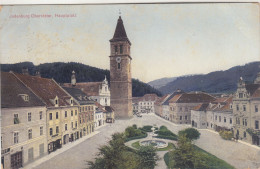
<point x="237" y="154"/>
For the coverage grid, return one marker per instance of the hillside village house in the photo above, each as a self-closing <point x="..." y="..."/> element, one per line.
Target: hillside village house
<point x="62" y="110"/>
<point x="246" y="115"/>
<point x="216" y="115"/>
<point x="182" y="104"/>
<point x="97" y="91"/>
<point x="86" y="110"/>
<point x="23" y="124"/>
<point x="145" y="104"/>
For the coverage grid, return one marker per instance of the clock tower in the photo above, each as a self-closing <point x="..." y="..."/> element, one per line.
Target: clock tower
<point x="120" y="72"/>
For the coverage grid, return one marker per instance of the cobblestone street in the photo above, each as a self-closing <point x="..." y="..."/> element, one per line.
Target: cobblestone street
<point x="237" y="154"/>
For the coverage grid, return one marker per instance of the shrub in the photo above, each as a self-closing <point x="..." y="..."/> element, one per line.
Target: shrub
<point x="163" y="128"/>
<point x="144" y="134"/>
<point x="134" y="126"/>
<point x="226" y="135"/>
<point x="190" y="133"/>
<point x="147" y="128"/>
<point x="165" y="133"/>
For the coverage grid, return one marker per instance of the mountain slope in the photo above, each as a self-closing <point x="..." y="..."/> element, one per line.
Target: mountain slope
<point x="61" y="72"/>
<point x="161" y="82"/>
<point x="214" y="82"/>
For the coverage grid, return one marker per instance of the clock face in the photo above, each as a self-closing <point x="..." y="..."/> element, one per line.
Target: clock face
<point x="118" y="59"/>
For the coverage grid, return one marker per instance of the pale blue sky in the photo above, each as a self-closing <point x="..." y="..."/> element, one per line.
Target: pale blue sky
<point x="167" y="39"/>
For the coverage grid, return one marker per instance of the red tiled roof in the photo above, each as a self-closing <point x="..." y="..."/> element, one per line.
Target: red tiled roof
<point x="175" y="98"/>
<point x="46" y="89"/>
<point x="161" y="99"/>
<point x="192" y="98"/>
<point x="201" y="107"/>
<point x="89" y="88"/>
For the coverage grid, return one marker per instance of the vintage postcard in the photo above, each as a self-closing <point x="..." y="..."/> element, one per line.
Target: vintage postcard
<point x="130" y="86"/>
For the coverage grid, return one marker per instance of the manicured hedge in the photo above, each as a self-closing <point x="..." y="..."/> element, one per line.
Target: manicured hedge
<point x="137" y="137"/>
<point x="147" y="128"/>
<point x="167" y="137"/>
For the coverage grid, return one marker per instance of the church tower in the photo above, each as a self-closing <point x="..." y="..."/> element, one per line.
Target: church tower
<point x="120" y="72"/>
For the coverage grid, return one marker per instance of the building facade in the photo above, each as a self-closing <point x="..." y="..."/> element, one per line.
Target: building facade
<point x="182" y="104"/>
<point x="62" y="110"/>
<point x="23" y="124"/>
<point x="120" y="72"/>
<point x="246" y="117"/>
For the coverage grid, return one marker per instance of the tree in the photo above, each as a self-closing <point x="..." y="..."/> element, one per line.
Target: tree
<point x="148" y="157"/>
<point x="185" y="156"/>
<point x="190" y="133"/>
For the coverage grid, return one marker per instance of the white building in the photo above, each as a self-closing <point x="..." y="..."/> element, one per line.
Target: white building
<point x="97" y="91"/>
<point x="216" y="115"/>
<point x="145" y="104"/>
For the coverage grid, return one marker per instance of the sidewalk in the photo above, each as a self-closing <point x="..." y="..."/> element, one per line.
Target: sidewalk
<point x="61" y="150"/>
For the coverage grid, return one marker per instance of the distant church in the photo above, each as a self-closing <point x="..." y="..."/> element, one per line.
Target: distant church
<point x="120" y="73"/>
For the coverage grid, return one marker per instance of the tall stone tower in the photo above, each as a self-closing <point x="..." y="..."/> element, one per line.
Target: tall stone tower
<point x="120" y="72"/>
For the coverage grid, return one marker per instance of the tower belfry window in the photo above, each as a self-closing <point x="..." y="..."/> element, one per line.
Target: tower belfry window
<point x="115" y="49"/>
<point x="121" y="49"/>
<point x="118" y="66"/>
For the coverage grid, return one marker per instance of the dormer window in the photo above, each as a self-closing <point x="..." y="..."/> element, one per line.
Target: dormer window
<point x="25" y="97"/>
<point x="56" y="101"/>
<point x="230" y="106"/>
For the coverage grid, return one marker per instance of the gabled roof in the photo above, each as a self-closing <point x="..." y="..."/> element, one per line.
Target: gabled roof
<point x="12" y="90"/>
<point x="149" y="97"/>
<point x="120" y="33"/>
<point x="46" y="89"/>
<point x="78" y="95"/>
<point x="161" y="100"/>
<point x="253" y="90"/>
<point x="99" y="107"/>
<point x="172" y="95"/>
<point x="89" y="88"/>
<point x="197" y="97"/>
<point x="201" y="107"/>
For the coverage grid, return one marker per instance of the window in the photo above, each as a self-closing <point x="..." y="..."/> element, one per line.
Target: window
<point x="118" y="66"/>
<point x="219" y="118"/>
<point x="30" y="134"/>
<point x="16" y="137"/>
<point x="180" y="117"/>
<point x="230" y="120"/>
<point x="116" y="49"/>
<point x="256" y="108"/>
<point x="121" y="49"/>
<point x="72" y="125"/>
<point x="237" y="120"/>
<point x="76" y="112"/>
<point x="237" y="107"/>
<point x="50" y="115"/>
<point x="50" y="131"/>
<point x="71" y="101"/>
<point x="216" y="117"/>
<point x="66" y="114"/>
<point x="56" y="101"/>
<point x="66" y="127"/>
<point x="57" y="115"/>
<point x="244" y="107"/>
<point x="40" y="113"/>
<point x="76" y="124"/>
<point x="225" y="120"/>
<point x="71" y="112"/>
<point x="244" y="134"/>
<point x="29" y="116"/>
<point x="57" y="129"/>
<point x="240" y="95"/>
<point x="186" y="117"/>
<point x="80" y="120"/>
<point x="245" y="122"/>
<point x="256" y="124"/>
<point x="16" y="120"/>
<point x="41" y="130"/>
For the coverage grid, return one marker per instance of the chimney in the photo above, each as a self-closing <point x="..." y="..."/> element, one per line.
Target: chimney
<point x="38" y="74"/>
<point x="73" y="78"/>
<point x="25" y="71"/>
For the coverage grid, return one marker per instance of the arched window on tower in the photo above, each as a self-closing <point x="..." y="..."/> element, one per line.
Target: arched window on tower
<point x="121" y="49"/>
<point x="118" y="66"/>
<point x="116" y="49"/>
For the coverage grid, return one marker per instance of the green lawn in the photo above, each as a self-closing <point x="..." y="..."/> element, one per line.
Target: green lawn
<point x="213" y="161"/>
<point x="169" y="147"/>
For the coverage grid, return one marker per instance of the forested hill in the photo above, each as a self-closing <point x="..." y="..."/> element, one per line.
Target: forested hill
<point x="61" y="72"/>
<point x="214" y="82"/>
